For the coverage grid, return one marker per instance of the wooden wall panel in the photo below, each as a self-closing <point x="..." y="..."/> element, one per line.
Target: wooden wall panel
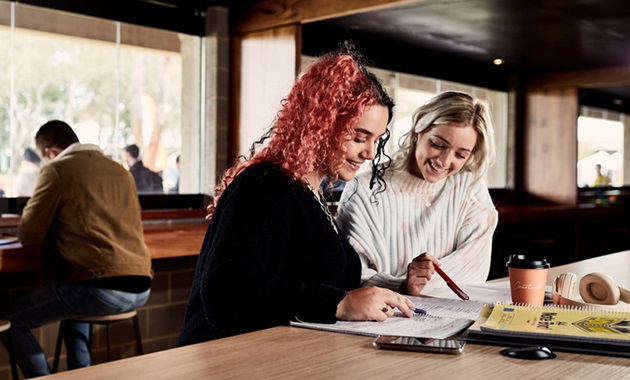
<point x="76" y="25"/>
<point x="551" y="144"/>
<point x="264" y="67"/>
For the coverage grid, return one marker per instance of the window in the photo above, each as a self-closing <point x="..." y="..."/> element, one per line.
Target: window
<point x="116" y="84"/>
<point x="600" y="148"/>
<point x="407" y="101"/>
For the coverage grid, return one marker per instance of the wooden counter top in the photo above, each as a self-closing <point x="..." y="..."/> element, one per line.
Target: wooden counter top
<point x="511" y="213"/>
<point x="175" y="240"/>
<point x="15" y="258"/>
<point x="298" y="353"/>
<point x="164" y="240"/>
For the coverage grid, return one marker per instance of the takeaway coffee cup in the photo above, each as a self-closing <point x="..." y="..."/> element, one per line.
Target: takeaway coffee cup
<point x="528" y="278"/>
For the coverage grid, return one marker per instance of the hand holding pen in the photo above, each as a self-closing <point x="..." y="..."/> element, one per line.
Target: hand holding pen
<point x="419" y="272"/>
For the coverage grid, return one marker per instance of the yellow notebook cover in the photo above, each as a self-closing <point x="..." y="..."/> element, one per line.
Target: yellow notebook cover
<point x="560" y="322"/>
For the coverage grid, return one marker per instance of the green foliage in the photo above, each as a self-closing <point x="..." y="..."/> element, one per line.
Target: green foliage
<point x="89" y="84"/>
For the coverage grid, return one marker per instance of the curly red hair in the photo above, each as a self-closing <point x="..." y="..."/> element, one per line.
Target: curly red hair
<point x="316" y="120"/>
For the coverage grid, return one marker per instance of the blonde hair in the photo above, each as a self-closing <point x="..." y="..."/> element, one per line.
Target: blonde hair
<point x="457" y="108"/>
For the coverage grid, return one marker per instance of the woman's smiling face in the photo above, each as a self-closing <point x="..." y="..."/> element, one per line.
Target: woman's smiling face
<point x="369" y="129"/>
<point x="443" y="151"/>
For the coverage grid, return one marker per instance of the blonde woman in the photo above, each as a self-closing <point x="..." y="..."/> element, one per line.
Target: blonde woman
<point x="435" y="207"/>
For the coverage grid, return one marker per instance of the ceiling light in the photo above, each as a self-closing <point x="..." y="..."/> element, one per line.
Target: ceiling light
<point x="498" y="61"/>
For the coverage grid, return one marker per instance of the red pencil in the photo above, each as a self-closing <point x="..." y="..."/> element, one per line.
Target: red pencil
<point x="451" y="284"/>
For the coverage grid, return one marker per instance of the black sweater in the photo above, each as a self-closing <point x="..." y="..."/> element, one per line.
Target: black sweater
<point x="269" y="256"/>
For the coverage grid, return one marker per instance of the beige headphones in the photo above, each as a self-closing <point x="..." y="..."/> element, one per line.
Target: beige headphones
<point x="595" y="289"/>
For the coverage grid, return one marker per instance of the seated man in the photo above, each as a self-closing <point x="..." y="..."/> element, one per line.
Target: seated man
<point x="86" y="214"/>
<point x="147" y="181"/>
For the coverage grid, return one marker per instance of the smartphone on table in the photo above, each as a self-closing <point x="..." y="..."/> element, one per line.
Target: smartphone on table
<point x="440" y="346"/>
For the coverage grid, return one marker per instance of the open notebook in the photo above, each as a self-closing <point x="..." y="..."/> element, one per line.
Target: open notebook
<point x="444" y="318"/>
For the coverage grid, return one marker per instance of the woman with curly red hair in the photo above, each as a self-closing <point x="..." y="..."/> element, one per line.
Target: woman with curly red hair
<point x="272" y="253"/>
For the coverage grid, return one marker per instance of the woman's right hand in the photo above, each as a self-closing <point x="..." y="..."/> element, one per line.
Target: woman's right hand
<point x="419" y="273"/>
<point x="372" y="304"/>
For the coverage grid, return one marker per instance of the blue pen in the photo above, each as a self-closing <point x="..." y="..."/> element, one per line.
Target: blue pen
<point x="418" y="311"/>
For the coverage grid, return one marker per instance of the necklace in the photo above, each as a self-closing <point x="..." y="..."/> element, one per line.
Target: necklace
<point x="322" y="204"/>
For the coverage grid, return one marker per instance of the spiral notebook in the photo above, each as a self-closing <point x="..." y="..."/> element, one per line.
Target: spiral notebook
<point x="563" y="328"/>
<point x="444" y="318"/>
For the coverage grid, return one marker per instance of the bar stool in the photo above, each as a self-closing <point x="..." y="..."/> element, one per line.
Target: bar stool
<point x="4" y="326"/>
<point x="105" y="320"/>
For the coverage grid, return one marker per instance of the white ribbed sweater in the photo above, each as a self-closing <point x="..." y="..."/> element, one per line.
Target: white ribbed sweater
<point x="453" y="220"/>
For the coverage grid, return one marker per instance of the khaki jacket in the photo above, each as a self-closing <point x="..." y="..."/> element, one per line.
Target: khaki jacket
<point x="85" y="211"/>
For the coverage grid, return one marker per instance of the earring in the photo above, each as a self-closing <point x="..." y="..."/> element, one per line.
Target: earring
<point x="415" y="138"/>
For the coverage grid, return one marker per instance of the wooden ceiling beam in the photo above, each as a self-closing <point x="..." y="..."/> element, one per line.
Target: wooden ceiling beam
<point x="588" y="78"/>
<point x="267" y="14"/>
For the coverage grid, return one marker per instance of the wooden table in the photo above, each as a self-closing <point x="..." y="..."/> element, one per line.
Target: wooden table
<point x="294" y="353"/>
<point x="163" y="240"/>
<point x="616" y="265"/>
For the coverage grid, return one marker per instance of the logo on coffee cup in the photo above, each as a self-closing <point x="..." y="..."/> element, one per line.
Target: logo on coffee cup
<point x="519" y="286"/>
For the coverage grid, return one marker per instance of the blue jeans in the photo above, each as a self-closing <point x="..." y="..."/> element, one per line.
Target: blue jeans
<point x="58" y="302"/>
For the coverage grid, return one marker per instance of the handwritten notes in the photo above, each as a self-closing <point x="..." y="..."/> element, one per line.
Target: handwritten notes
<point x="445" y="318"/>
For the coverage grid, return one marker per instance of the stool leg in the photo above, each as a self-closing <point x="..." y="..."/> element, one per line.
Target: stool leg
<point x="90" y="342"/>
<point x="57" y="349"/>
<point x="109" y="357"/>
<point x="14" y="370"/>
<point x="136" y="327"/>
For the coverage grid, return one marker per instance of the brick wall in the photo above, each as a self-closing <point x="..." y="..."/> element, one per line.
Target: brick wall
<point x="160" y="319"/>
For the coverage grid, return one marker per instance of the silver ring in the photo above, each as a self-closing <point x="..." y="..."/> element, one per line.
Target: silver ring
<point x="385" y="309"/>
